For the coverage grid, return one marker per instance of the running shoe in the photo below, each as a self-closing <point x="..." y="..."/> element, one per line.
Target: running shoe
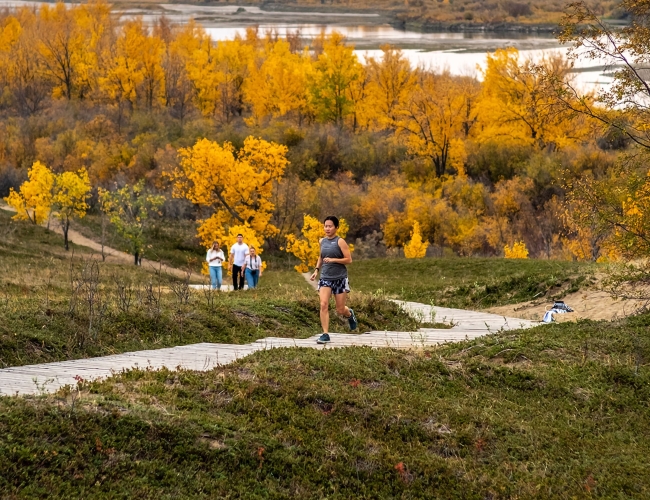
<point x="323" y="339"/>
<point x="352" y="320"/>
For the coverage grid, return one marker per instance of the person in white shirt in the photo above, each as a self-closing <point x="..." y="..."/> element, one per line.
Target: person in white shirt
<point x="253" y="268"/>
<point x="238" y="254"/>
<point x="214" y="258"/>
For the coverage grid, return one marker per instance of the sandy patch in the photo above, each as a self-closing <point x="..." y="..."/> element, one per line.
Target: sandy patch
<point x="587" y="304"/>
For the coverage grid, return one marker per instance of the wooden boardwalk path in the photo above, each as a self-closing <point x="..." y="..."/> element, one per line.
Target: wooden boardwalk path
<point x="48" y="377"/>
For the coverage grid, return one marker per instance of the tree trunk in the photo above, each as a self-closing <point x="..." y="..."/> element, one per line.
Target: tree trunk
<point x="103" y="236"/>
<point x="66" y="226"/>
<point x="137" y="258"/>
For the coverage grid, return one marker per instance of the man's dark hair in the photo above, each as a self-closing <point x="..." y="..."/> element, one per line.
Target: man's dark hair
<point x="335" y="220"/>
<point x="240" y="235"/>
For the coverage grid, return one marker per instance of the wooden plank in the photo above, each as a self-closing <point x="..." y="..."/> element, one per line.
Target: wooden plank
<point x="205" y="356"/>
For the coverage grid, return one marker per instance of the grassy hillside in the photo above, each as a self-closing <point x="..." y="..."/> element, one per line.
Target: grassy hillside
<point x="472" y="283"/>
<point x="173" y="242"/>
<point x="54" y="307"/>
<point x="555" y="412"/>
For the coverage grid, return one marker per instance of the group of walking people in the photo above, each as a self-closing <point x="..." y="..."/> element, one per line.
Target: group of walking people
<point x="332" y="265"/>
<point x="243" y="261"/>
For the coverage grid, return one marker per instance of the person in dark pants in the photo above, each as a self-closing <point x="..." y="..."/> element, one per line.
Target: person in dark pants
<point x="334" y="256"/>
<point x="238" y="254"/>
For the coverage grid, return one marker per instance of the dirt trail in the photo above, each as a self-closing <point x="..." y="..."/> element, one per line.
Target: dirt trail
<point x="587" y="304"/>
<point x="113" y="255"/>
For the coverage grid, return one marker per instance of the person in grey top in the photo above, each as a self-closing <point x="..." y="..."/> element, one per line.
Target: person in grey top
<point x="334" y="256"/>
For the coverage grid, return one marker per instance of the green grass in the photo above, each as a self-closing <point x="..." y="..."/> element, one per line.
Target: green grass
<point x="555" y="412"/>
<point x="173" y="242"/>
<point x="38" y="324"/>
<point x="472" y="283"/>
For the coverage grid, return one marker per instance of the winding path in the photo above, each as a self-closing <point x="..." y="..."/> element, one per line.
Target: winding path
<point x="48" y="377"/>
<point x="112" y="254"/>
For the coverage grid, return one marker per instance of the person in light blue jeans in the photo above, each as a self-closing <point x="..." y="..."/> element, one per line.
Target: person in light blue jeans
<point x="215" y="258"/>
<point x="253" y="268"/>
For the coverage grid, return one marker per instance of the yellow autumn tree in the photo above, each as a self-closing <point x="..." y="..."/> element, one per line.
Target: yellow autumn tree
<point x="518" y="105"/>
<point x="610" y="216"/>
<point x="67" y="39"/>
<point x="236" y="186"/>
<point x="391" y="83"/>
<point x="179" y="90"/>
<point x="21" y="74"/>
<point x="416" y="248"/>
<point x="134" y="67"/>
<point x="278" y="86"/>
<point x="218" y="73"/>
<point x="518" y="250"/>
<point x="307" y="248"/>
<point x="71" y="190"/>
<point x="434" y="121"/>
<point x="33" y="201"/>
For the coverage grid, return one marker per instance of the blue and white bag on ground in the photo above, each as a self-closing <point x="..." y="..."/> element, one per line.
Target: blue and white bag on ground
<point x="559" y="307"/>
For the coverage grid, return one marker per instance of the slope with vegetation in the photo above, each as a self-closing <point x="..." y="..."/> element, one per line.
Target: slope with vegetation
<point x="554" y="412"/>
<point x="471" y="283"/>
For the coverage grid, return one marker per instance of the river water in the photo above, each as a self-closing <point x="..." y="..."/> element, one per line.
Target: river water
<point x="459" y="53"/>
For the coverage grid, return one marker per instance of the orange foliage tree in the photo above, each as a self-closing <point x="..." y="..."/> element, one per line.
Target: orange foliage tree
<point x="436" y="118"/>
<point x="518" y="104"/>
<point x="236" y="186"/>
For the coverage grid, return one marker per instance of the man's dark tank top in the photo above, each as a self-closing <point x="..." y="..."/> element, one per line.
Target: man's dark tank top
<point x="330" y="248"/>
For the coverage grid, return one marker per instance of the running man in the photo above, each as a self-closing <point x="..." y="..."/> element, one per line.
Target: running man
<point x="238" y="254"/>
<point x="334" y="256"/>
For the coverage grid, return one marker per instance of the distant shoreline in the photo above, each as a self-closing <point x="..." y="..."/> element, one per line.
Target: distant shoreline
<point x="464" y="27"/>
<point x="339" y="16"/>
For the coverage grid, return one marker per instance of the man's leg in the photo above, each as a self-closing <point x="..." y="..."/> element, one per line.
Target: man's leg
<point x="235" y="274"/>
<point x="241" y="279"/>
<point x="325" y="293"/>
